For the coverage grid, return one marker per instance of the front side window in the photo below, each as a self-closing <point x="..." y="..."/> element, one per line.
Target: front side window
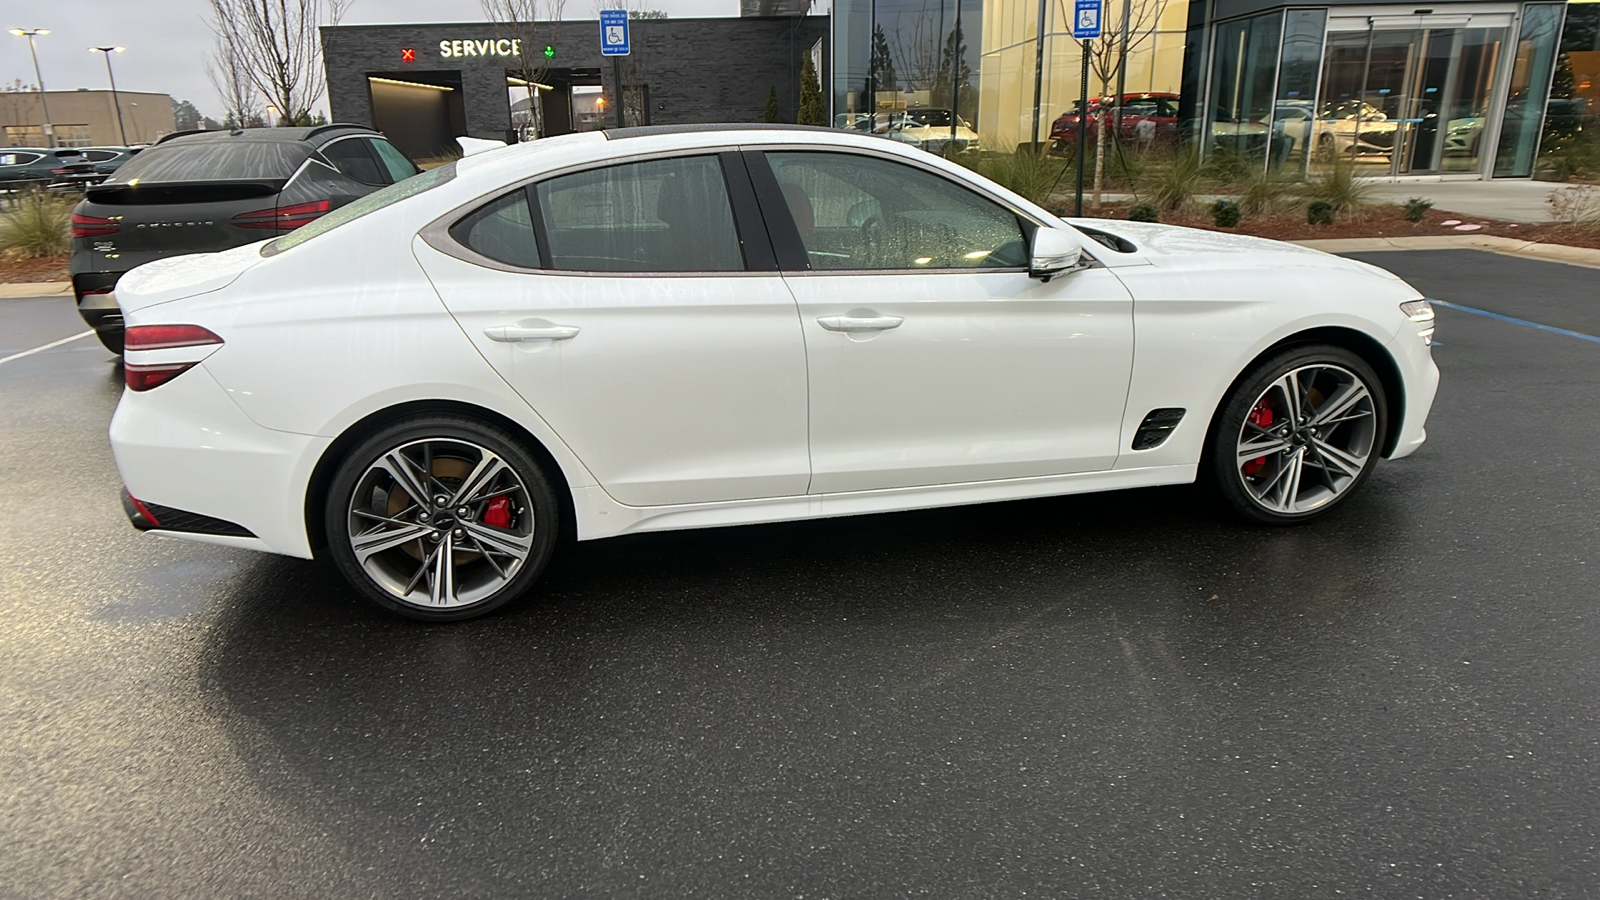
<point x="858" y="212"/>
<point x="399" y="167"/>
<point x="667" y="215"/>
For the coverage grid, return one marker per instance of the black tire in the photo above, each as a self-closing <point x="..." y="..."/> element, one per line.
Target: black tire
<point x="1275" y="470"/>
<point x="462" y="563"/>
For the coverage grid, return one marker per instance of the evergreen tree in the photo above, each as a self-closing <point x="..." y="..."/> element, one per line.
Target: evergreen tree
<point x="954" y="55"/>
<point x="771" y="116"/>
<point x="812" y="110"/>
<point x="881" y="67"/>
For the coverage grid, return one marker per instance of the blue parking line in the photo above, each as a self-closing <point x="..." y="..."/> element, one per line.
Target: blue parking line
<point x="1515" y="321"/>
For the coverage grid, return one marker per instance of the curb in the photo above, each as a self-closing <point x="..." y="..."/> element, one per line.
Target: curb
<point x="1577" y="256"/>
<point x="35" y="289"/>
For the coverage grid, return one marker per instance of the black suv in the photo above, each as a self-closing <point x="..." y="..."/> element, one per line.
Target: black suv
<point x="202" y="191"/>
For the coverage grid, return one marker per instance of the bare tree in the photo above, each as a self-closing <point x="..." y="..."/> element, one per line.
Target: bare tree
<point x="226" y="71"/>
<point x="918" y="49"/>
<point x="276" y="45"/>
<point x="1108" y="54"/>
<point x="524" y="24"/>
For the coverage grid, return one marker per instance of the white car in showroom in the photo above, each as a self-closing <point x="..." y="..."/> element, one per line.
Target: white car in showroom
<point x="690" y="326"/>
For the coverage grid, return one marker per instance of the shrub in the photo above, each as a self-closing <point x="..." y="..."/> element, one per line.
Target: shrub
<point x="1263" y="193"/>
<point x="1416" y="209"/>
<point x="1319" y="212"/>
<point x="1144" y="212"/>
<point x="36" y="226"/>
<point x="1174" y="181"/>
<point x="1575" y="205"/>
<point x="1340" y="187"/>
<point x="1225" y="213"/>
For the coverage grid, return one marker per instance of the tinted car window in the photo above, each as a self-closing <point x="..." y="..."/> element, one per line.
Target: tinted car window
<point x="669" y="215"/>
<point x="99" y="155"/>
<point x="212" y="160"/>
<point x="372" y="202"/>
<point x="396" y="162"/>
<point x="501" y="230"/>
<point x="857" y="212"/>
<point x="351" y="157"/>
<point x="19" y="159"/>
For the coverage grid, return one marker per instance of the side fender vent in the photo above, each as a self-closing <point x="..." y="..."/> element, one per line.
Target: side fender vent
<point x="1155" y="427"/>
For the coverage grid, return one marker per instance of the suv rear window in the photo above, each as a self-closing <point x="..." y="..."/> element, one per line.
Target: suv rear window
<point x="213" y="160"/>
<point x="372" y="202"/>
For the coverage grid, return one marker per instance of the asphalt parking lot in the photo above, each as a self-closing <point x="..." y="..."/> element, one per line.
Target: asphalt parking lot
<point x="1120" y="696"/>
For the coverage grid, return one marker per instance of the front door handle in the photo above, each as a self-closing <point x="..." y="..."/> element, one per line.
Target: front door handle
<point x="510" y="334"/>
<point x="859" y="323"/>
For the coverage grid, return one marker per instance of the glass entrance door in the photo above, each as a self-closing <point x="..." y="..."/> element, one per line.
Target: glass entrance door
<point x="1411" y="98"/>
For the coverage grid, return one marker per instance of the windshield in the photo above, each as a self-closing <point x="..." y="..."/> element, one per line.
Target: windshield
<point x="372" y="202"/>
<point x="933" y="118"/>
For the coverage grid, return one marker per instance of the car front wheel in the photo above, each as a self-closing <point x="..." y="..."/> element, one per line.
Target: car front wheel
<point x="1299" y="435"/>
<point x="441" y="518"/>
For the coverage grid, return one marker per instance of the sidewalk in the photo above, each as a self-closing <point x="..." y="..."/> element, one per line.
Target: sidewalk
<point x="1512" y="199"/>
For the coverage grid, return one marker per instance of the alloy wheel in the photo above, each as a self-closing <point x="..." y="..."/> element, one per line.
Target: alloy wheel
<point x="1307" y="439"/>
<point x="440" y="523"/>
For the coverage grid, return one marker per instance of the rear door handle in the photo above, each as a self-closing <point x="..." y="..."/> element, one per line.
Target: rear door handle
<point x="510" y="334"/>
<point x="860" y="323"/>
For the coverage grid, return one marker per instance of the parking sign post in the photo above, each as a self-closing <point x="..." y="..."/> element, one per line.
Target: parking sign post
<point x="1085" y="27"/>
<point x="615" y="43"/>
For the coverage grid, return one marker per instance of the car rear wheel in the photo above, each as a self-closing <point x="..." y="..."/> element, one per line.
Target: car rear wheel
<point x="441" y="518"/>
<point x="1299" y="435"/>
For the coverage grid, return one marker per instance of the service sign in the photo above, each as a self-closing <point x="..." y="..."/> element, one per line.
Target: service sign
<point x="501" y="47"/>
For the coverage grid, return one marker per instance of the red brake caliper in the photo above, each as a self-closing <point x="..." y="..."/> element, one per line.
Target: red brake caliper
<point x="498" y="512"/>
<point x="1261" y="417"/>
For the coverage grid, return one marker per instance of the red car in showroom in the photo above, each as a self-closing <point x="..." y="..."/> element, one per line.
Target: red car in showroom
<point x="1146" y="118"/>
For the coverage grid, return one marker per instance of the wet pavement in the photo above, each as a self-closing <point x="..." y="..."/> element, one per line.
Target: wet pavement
<point x="1124" y="695"/>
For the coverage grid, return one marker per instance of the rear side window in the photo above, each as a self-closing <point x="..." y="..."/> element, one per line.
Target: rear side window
<point x="667" y="215"/>
<point x="351" y="157"/>
<point x="213" y="160"/>
<point x="501" y="230"/>
<point x="372" y="202"/>
<point x="19" y="159"/>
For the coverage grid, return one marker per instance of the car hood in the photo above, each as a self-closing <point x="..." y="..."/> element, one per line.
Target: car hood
<point x="177" y="277"/>
<point x="1171" y="246"/>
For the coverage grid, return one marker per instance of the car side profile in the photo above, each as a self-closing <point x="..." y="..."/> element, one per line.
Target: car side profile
<point x="682" y="327"/>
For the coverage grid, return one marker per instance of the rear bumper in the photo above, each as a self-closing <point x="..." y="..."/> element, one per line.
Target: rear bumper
<point x="186" y="449"/>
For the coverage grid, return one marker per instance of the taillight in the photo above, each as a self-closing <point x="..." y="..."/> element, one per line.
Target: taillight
<point x="166" y="337"/>
<point x="144" y="376"/>
<point x="283" y="216"/>
<point x="94" y="226"/>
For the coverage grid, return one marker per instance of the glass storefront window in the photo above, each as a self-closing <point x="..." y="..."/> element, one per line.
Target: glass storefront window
<point x="1528" y="90"/>
<point x="1243" y="74"/>
<point x="1294" y="108"/>
<point x="1572" y="116"/>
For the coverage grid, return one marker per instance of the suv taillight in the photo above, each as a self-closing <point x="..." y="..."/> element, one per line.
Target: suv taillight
<point x="283" y="216"/>
<point x="94" y="226"/>
<point x="144" y="376"/>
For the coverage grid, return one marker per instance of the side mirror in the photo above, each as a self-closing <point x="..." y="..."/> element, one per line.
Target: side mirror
<point x="1054" y="252"/>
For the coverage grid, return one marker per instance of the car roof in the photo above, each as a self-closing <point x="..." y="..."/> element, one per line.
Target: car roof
<point x="291" y="135"/>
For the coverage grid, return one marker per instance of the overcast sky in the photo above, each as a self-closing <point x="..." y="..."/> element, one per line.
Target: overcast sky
<point x="168" y="39"/>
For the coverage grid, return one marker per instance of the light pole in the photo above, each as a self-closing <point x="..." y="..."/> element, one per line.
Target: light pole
<point x="114" y="101"/>
<point x="49" y="133"/>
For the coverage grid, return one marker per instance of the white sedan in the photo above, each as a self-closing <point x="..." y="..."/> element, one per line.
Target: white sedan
<point x="680" y="327"/>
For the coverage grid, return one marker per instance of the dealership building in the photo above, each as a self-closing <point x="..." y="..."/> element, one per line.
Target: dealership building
<point x="1445" y="89"/>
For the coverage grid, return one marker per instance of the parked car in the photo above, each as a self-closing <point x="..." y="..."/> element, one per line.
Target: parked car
<point x="202" y="191"/>
<point x="929" y="129"/>
<point x="676" y="327"/>
<point x="1146" y="118"/>
<point x="1353" y="128"/>
<point x="108" y="159"/>
<point x="23" y="167"/>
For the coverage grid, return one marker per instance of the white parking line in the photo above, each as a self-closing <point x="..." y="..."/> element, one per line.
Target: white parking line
<point x="65" y="340"/>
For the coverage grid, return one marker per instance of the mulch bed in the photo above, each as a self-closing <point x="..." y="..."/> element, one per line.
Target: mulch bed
<point x="1375" y="221"/>
<point x="29" y="271"/>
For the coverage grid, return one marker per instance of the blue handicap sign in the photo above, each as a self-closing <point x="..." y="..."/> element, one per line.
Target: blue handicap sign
<point x="613" y="32"/>
<point x="1086" y="19"/>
